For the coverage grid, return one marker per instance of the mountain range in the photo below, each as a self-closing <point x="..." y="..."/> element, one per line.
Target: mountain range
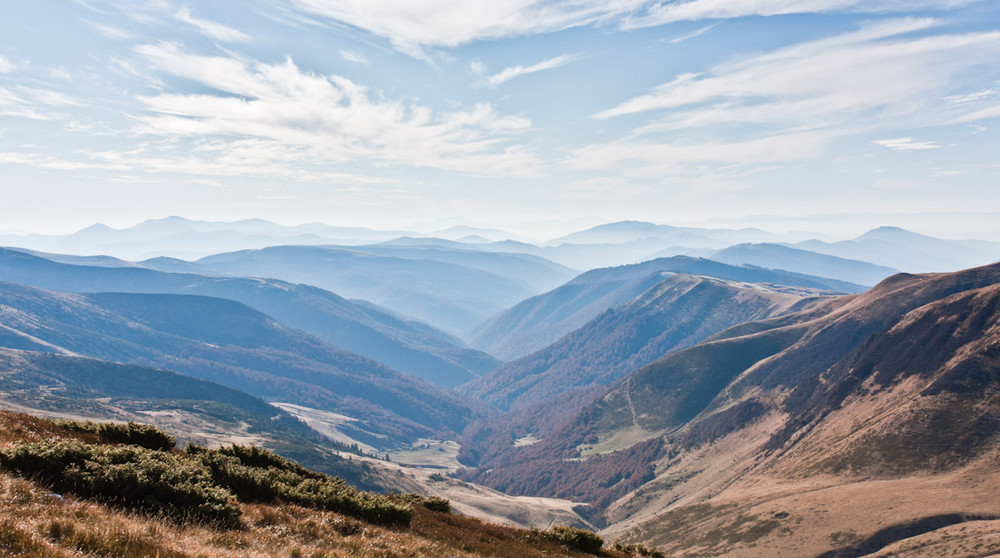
<point x="233" y="345"/>
<point x="676" y="312"/>
<point x="451" y="289"/>
<point x="363" y="328"/>
<point x="541" y="320"/>
<point x="752" y="394"/>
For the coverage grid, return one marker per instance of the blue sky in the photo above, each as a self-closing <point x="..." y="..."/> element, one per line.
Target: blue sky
<point x="539" y="117"/>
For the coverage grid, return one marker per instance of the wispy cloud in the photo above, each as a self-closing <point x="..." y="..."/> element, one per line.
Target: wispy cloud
<point x="418" y="24"/>
<point x="354" y="57"/>
<point x="212" y="29"/>
<point x="514" y="71"/>
<point x="906" y="144"/>
<point x="412" y="26"/>
<point x="660" y="13"/>
<point x="109" y="31"/>
<point x="872" y="75"/>
<point x="6" y="66"/>
<point x="694" y="34"/>
<point x="639" y="158"/>
<point x="33" y="103"/>
<point x="880" y="77"/>
<point x="334" y="117"/>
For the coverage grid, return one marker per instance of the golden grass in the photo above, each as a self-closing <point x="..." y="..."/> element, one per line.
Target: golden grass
<point x="37" y="523"/>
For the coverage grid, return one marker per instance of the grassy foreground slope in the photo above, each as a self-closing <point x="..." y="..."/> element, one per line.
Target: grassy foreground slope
<point x="35" y="521"/>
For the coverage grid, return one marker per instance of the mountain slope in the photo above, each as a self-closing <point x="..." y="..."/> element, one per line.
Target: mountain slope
<point x="886" y="400"/>
<point x="542" y="320"/>
<point x="228" y="343"/>
<point x="778" y="256"/>
<point x="673" y="314"/>
<point x="363" y="328"/>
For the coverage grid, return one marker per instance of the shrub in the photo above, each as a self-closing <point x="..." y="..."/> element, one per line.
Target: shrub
<point x="132" y="477"/>
<point x="135" y="434"/>
<point x="576" y="539"/>
<point x="637" y="549"/>
<point x="434" y="503"/>
<point x="257" y="475"/>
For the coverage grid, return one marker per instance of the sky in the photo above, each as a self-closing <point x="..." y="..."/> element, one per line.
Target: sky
<point x="529" y="115"/>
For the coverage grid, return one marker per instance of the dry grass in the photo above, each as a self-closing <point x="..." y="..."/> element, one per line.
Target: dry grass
<point x="36" y="522"/>
<point x="19" y="427"/>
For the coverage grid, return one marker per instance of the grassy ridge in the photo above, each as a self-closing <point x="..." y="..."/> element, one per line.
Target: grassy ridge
<point x="197" y="484"/>
<point x="88" y="497"/>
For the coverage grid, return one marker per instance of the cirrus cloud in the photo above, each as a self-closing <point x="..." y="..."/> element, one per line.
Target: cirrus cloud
<point x="336" y="118"/>
<point x="415" y="25"/>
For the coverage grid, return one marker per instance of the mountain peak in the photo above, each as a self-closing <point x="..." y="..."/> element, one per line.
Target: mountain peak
<point x="96" y="227"/>
<point x="887" y="233"/>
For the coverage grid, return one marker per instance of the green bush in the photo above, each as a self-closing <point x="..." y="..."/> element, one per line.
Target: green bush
<point x="199" y="484"/>
<point x="258" y="475"/>
<point x="135" y="434"/>
<point x="637" y="549"/>
<point x="132" y="477"/>
<point x="132" y="433"/>
<point x="576" y="539"/>
<point x="437" y="504"/>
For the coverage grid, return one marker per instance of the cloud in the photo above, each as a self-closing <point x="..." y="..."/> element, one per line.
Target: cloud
<point x="333" y="118"/>
<point x="33" y="103"/>
<point x="631" y="157"/>
<point x="694" y="34"/>
<point x="906" y="144"/>
<point x="109" y="31"/>
<point x="6" y="66"/>
<point x="755" y="109"/>
<point x="981" y="114"/>
<point x="212" y="29"/>
<point x="415" y="25"/>
<point x="412" y="26"/>
<point x="660" y="13"/>
<point x="874" y="76"/>
<point x="514" y="71"/>
<point x="353" y="57"/>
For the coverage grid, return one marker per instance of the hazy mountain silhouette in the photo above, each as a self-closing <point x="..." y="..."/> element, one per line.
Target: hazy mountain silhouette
<point x="449" y="289"/>
<point x="377" y="333"/>
<point x="909" y="251"/>
<point x="180" y="237"/>
<point x="778" y="256"/>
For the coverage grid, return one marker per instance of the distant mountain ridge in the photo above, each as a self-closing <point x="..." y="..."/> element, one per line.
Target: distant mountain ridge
<point x="452" y="290"/>
<point x="541" y="320"/>
<point x="778" y="256"/>
<point x="909" y="251"/>
<point x="363" y="328"/>
<point x="676" y="312"/>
